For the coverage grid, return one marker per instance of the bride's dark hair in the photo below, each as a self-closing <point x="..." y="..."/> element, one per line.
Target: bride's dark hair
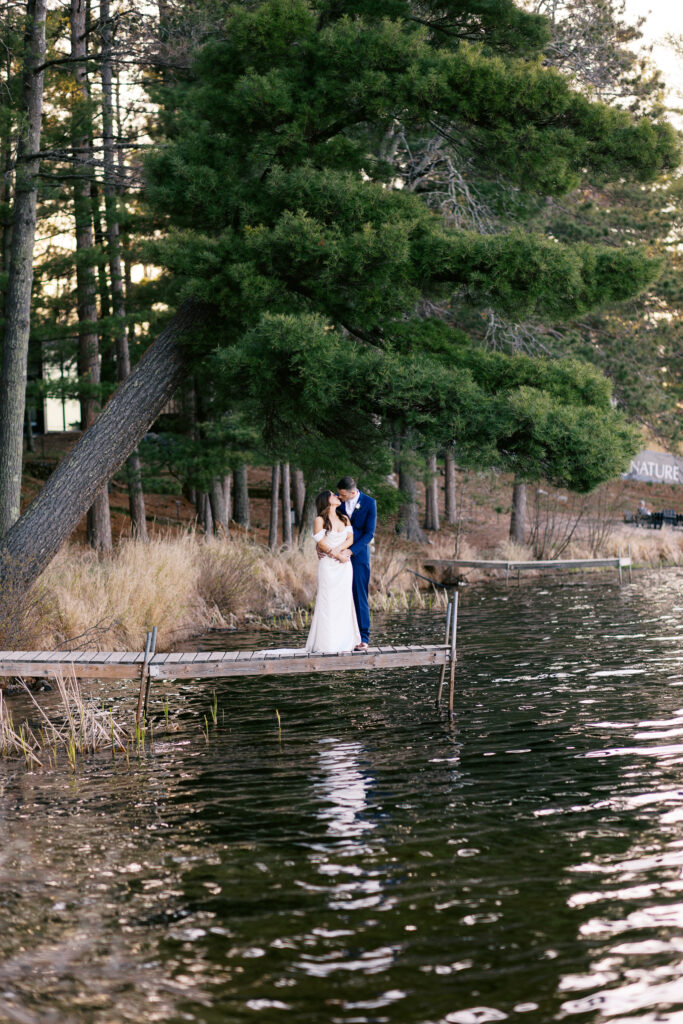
<point x="322" y="508"/>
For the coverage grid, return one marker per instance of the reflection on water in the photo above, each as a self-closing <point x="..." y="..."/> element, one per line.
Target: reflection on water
<point x="371" y="862"/>
<point x="344" y="786"/>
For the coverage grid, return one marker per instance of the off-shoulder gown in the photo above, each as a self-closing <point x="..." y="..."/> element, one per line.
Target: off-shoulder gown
<point x="334" y="627"/>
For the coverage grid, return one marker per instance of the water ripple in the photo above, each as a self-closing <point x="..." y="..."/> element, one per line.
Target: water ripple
<point x="370" y="861"/>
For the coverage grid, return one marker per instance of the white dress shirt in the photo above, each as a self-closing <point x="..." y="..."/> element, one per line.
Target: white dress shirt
<point x="350" y="505"/>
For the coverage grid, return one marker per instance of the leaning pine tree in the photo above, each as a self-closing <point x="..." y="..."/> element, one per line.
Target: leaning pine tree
<point x="286" y="232"/>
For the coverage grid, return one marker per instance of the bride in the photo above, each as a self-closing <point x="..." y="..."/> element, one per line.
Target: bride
<point x="334" y="627"/>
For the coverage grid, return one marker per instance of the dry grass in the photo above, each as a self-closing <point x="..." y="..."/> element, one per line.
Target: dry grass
<point x="19" y="612"/>
<point x="390" y="566"/>
<point x="182" y="584"/>
<point x="185" y="585"/>
<point x="510" y="551"/>
<point x="283" y="581"/>
<point x="649" y="548"/>
<point x="112" y="602"/>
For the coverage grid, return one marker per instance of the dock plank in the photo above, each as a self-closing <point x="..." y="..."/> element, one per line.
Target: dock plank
<point x="215" y="664"/>
<point x="50" y="657"/>
<point x="100" y="657"/>
<point x="289" y="665"/>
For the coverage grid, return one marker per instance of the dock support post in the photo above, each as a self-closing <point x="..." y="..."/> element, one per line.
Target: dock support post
<point x="144" y="671"/>
<point x="149" y="677"/>
<point x="630" y="565"/>
<point x="454" y="634"/>
<point x="619" y="561"/>
<point x="449" y="613"/>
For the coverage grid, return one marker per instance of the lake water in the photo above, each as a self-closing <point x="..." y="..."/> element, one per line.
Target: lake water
<point x="371" y="862"/>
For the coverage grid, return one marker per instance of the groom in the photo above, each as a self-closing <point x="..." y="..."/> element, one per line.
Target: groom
<point x="362" y="512"/>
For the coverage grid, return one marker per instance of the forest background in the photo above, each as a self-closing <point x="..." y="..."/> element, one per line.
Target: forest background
<point x="432" y="245"/>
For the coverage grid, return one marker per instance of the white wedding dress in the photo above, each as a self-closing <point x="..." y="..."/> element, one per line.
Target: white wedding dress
<point x="334" y="627"/>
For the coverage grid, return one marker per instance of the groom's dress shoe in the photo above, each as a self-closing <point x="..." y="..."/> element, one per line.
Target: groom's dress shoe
<point x="361" y="646"/>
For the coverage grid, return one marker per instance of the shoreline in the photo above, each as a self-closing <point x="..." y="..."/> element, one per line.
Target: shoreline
<point x="188" y="585"/>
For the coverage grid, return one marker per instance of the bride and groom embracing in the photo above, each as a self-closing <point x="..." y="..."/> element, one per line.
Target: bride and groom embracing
<point x="343" y="530"/>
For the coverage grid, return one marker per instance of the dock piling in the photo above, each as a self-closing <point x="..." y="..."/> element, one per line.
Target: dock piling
<point x="144" y="673"/>
<point x="442" y="678"/>
<point x="149" y="674"/>
<point x="454" y="635"/>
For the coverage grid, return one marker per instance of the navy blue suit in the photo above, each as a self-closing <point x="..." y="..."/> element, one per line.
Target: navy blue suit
<point x="363" y="521"/>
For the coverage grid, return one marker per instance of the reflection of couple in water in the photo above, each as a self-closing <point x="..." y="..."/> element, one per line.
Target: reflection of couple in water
<point x="343" y="529"/>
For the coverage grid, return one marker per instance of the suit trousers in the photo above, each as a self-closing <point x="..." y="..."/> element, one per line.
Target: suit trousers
<point x="361" y="581"/>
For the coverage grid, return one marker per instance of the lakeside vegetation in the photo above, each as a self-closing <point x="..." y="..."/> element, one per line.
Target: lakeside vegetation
<point x="187" y="585"/>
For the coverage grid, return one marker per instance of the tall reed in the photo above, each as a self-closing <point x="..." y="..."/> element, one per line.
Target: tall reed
<point x="83" y="728"/>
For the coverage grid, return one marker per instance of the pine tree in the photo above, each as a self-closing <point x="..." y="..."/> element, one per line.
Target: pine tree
<point x="99" y="521"/>
<point x="116" y="272"/>
<point x="285" y="226"/>
<point x="17" y="313"/>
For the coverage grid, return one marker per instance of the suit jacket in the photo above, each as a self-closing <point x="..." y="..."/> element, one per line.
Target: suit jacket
<point x="364" y="522"/>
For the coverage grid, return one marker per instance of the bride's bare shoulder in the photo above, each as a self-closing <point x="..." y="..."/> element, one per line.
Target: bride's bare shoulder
<point x="318" y="524"/>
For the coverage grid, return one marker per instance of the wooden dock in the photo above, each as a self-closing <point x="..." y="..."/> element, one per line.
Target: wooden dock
<point x="619" y="563"/>
<point x="207" y="664"/>
<point x="147" y="665"/>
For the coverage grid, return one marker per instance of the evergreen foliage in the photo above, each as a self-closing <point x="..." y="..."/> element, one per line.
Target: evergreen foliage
<point x="637" y="344"/>
<point x="285" y="215"/>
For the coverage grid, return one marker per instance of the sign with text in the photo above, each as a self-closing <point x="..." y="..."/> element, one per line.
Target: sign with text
<point x="656" y="468"/>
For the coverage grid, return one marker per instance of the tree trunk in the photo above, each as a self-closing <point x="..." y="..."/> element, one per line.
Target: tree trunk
<point x="450" y="490"/>
<point x="20" y="283"/>
<point x="432" y="495"/>
<point x="6" y="179"/>
<point x="240" y="485"/>
<point x="99" y="522"/>
<point x="286" y="506"/>
<point x="136" y="498"/>
<point x="275" y="487"/>
<point x="218" y="510"/>
<point x="298" y="494"/>
<point x="227" y="496"/>
<point x="409" y="524"/>
<point x="205" y="513"/>
<point x="56" y="511"/>
<point x="107" y="361"/>
<point x="307" y="517"/>
<point x="518" y="514"/>
<point x="427" y="522"/>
